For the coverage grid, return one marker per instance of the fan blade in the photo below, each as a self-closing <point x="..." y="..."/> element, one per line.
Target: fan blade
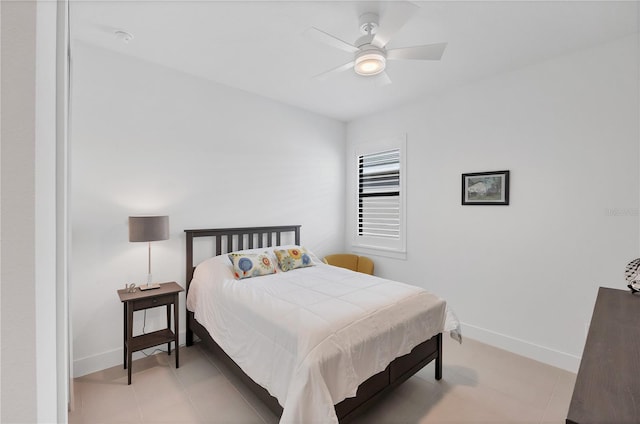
<point x="394" y="18"/>
<point x="426" y="52"/>
<point x="382" y="79"/>
<point x="323" y="76"/>
<point x="324" y="37"/>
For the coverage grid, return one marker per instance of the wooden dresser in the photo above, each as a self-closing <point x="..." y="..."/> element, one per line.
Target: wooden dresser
<point x="607" y="388"/>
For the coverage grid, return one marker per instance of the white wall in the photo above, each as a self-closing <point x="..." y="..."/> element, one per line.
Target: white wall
<point x="524" y="276"/>
<point x="148" y="139"/>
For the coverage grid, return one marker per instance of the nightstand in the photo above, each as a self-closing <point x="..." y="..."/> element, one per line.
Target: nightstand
<point x="166" y="295"/>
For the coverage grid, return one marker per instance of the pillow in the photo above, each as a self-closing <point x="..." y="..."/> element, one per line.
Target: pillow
<point x="295" y="257"/>
<point x="246" y="265"/>
<point x="314" y="258"/>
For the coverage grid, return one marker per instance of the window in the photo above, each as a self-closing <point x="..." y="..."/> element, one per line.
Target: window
<point x="380" y="211"/>
<point x="379" y="194"/>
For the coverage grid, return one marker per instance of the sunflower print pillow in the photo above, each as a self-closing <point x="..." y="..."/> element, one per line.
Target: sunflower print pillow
<point x="246" y="265"/>
<point x="296" y="257"/>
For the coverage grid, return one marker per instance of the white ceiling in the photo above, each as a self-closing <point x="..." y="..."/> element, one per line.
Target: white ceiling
<point x="260" y="47"/>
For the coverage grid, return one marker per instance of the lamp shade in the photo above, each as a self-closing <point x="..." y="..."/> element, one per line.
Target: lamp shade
<point x="148" y="228"/>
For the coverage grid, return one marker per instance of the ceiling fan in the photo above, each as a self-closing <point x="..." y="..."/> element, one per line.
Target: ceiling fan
<point x="369" y="50"/>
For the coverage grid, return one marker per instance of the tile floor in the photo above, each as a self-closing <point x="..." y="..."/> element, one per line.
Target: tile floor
<point x="481" y="384"/>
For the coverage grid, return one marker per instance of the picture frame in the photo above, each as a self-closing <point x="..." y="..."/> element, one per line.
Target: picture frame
<point x="485" y="188"/>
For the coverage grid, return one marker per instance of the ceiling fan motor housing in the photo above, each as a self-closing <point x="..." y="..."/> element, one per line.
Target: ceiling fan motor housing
<point x="364" y="41"/>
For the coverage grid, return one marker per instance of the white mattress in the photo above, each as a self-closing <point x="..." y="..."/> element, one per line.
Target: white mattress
<point x="310" y="336"/>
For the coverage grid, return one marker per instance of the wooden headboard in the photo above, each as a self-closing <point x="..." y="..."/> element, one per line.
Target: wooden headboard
<point x="241" y="238"/>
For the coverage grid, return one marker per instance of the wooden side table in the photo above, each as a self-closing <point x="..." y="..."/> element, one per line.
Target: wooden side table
<point x="167" y="295"/>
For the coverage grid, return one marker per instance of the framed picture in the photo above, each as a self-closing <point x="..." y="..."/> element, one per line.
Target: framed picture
<point x="485" y="188"/>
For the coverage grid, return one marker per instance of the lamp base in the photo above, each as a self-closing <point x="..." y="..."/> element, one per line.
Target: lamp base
<point x="149" y="286"/>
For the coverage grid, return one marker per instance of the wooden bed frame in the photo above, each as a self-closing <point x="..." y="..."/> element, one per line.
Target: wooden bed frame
<point x="398" y="371"/>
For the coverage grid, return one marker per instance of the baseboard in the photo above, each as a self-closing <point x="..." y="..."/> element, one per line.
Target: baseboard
<point x="539" y="353"/>
<point x="111" y="358"/>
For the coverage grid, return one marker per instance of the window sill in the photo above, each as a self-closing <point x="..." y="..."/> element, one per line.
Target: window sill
<point x="376" y="251"/>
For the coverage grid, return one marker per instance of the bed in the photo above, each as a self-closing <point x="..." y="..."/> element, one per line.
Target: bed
<point x="354" y="374"/>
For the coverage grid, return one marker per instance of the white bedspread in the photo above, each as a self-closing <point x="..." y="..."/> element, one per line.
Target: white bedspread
<point x="310" y="336"/>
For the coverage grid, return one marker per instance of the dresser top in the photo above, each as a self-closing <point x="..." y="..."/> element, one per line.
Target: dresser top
<point x="607" y="386"/>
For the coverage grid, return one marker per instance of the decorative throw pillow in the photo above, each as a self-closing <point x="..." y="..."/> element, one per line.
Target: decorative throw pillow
<point x="246" y="265"/>
<point x="296" y="257"/>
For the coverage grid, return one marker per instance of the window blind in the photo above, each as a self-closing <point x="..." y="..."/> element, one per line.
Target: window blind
<point x="379" y="194"/>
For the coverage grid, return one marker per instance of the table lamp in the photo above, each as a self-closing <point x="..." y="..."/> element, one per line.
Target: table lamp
<point x="148" y="228"/>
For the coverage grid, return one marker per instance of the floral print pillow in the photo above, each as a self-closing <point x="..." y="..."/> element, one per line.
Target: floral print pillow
<point x="293" y="258"/>
<point x="246" y="265"/>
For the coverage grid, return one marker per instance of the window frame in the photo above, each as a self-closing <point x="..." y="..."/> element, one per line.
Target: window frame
<point x="395" y="248"/>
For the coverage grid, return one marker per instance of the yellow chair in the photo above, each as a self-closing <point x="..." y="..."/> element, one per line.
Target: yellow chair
<point x="350" y="261"/>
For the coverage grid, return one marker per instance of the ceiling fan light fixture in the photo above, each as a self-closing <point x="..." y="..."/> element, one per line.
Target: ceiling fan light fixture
<point x="369" y="64"/>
